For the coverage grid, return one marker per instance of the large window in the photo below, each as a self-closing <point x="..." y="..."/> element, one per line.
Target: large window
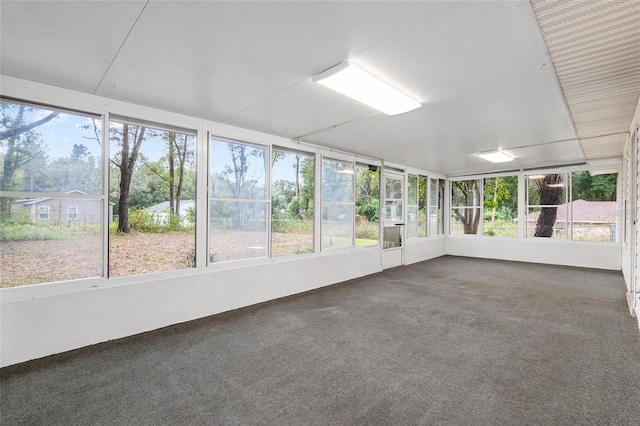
<point x="594" y="207"/>
<point x="337" y="203"/>
<point x="466" y="206"/>
<point x="422" y="206"/>
<point x="50" y="159"/>
<point x="292" y="203"/>
<point x="412" y="206"/>
<point x="416" y="206"/>
<point x="367" y="205"/>
<point x="238" y="201"/>
<point x="501" y="206"/>
<point x="579" y="205"/>
<point x="436" y="207"/>
<point x="152" y="190"/>
<point x="547" y="208"/>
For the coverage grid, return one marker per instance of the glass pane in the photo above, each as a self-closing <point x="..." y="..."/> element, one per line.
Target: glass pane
<point x="393" y="188"/>
<point x="412" y="190"/>
<point x="465" y="193"/>
<point x="152" y="188"/>
<point x="441" y="211"/>
<point x="433" y="221"/>
<point x="501" y="206"/>
<point x="547" y="190"/>
<point x="238" y="170"/>
<point x="393" y="211"/>
<point x="37" y="249"/>
<point x="367" y="205"/>
<point x="337" y="226"/>
<point x="292" y="203"/>
<point x="549" y="222"/>
<point x="433" y="192"/>
<point x="465" y="220"/>
<point x="237" y="230"/>
<point x="434" y="207"/>
<point x="49" y="150"/>
<point x="337" y="181"/>
<point x="412" y="221"/>
<point x="422" y="207"/>
<point x="392" y="237"/>
<point x="594" y="206"/>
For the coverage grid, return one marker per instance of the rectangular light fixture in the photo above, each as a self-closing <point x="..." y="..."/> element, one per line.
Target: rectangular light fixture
<point x="353" y="82"/>
<point x="498" y="156"/>
<point x="537" y="176"/>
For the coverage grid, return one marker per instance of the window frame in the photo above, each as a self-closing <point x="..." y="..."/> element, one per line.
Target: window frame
<point x="439" y="206"/>
<point x="478" y="206"/>
<point x="43" y="212"/>
<point x="268" y="149"/>
<point x="413" y="204"/>
<point x="484" y="201"/>
<point x="352" y="203"/>
<point x="360" y="164"/>
<point x="528" y="205"/>
<point x="37" y="213"/>
<point x="314" y="242"/>
<point x="570" y="218"/>
<point x="74" y="213"/>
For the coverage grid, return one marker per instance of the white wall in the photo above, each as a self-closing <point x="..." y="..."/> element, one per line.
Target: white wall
<point x="38" y="327"/>
<point x="631" y="194"/>
<point x="419" y="249"/>
<point x="537" y="250"/>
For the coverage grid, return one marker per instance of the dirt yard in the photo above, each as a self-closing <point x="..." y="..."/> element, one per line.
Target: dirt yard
<point x="32" y="262"/>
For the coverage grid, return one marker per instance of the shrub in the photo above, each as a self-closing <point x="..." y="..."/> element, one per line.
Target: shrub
<point x="367" y="230"/>
<point x="32" y="232"/>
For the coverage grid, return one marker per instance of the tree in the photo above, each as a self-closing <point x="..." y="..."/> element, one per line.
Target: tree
<point x="588" y="187"/>
<point x="500" y="193"/>
<point x="78" y="171"/>
<point x="306" y="191"/>
<point x="235" y="175"/>
<point x="147" y="188"/>
<point x="18" y="127"/>
<point x="550" y="189"/>
<point x="22" y="145"/>
<point x="131" y="139"/>
<point x="283" y="193"/>
<point x="179" y="145"/>
<point x="179" y="152"/>
<point x="241" y="185"/>
<point x="368" y="193"/>
<point x="467" y="193"/>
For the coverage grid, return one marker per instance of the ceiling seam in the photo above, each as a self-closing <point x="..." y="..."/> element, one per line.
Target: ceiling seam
<point x="120" y="48"/>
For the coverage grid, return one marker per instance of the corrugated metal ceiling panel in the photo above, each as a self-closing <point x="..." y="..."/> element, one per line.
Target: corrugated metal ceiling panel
<point x="595" y="48"/>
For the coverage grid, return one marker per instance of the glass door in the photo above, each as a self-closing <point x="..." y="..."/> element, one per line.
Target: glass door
<point x="393" y="220"/>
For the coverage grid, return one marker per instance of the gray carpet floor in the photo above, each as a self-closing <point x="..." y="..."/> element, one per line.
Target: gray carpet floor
<point x="450" y="341"/>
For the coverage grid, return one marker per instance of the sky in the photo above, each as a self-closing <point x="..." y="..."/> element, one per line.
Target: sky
<point x="62" y="132"/>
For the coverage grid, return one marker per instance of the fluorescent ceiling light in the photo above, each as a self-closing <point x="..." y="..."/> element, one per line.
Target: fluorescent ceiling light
<point x="555" y="185"/>
<point x="498" y="156"/>
<point x="351" y="81"/>
<point x="537" y="176"/>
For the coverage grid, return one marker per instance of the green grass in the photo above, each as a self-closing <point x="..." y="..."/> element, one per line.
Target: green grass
<point x="36" y="232"/>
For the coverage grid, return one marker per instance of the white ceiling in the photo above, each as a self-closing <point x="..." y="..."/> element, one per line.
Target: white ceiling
<point x="481" y="69"/>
